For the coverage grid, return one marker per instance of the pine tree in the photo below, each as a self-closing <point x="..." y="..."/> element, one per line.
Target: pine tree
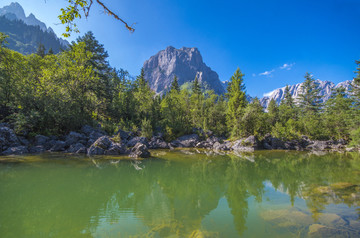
<point x="50" y="52"/>
<point x="355" y="85"/>
<point x="175" y="85"/>
<point x="196" y="89"/>
<point x="41" y="50"/>
<point x="237" y="102"/>
<point x="273" y="112"/>
<point x="288" y="100"/>
<point x="338" y="114"/>
<point x="309" y="98"/>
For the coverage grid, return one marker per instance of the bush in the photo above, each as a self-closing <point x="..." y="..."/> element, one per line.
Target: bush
<point x="355" y="137"/>
<point x="146" y="128"/>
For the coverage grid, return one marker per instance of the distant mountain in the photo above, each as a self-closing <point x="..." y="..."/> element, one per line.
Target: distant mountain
<point x="326" y="88"/>
<point x="186" y="64"/>
<point x="26" y="33"/>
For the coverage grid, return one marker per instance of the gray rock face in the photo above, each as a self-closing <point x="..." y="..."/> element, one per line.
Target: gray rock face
<point x="325" y="87"/>
<point x="158" y="143"/>
<point x="18" y="150"/>
<point x="185" y="63"/>
<point x="77" y="148"/>
<point x="140" y="151"/>
<point x="247" y="145"/>
<point x="186" y="141"/>
<point x="7" y="138"/>
<point x="59" y="146"/>
<point x="136" y="140"/>
<point x="104" y="146"/>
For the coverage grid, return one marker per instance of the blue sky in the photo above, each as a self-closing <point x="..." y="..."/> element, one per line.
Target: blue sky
<point x="274" y="42"/>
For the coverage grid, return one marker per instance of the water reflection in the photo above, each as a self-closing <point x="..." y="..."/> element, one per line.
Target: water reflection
<point x="176" y="193"/>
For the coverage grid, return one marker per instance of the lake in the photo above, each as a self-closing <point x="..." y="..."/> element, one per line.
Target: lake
<point x="182" y="193"/>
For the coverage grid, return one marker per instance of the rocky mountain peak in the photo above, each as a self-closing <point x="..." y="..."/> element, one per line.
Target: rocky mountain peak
<point x="186" y="63"/>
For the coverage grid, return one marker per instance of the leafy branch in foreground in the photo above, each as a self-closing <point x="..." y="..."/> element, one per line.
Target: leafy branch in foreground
<point x="73" y="11"/>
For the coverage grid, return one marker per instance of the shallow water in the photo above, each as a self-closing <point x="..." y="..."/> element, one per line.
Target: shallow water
<point x="181" y="194"/>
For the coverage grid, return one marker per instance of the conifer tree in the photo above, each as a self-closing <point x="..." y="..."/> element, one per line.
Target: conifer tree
<point x="288" y="100"/>
<point x="41" y="50"/>
<point x="175" y="85"/>
<point x="236" y="102"/>
<point x="273" y="112"/>
<point x="309" y="98"/>
<point x="196" y="89"/>
<point x="355" y="85"/>
<point x="50" y="52"/>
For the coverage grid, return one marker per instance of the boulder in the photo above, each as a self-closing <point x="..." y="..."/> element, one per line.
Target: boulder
<point x="40" y="140"/>
<point x="37" y="149"/>
<point x="116" y="149"/>
<point x="319" y="146"/>
<point x="158" y="143"/>
<point x="77" y="148"/>
<point x="103" y="142"/>
<point x="93" y="150"/>
<point x="8" y="138"/>
<point x="140" y="151"/>
<point x="73" y="138"/>
<point x="136" y="140"/>
<point x="18" y="150"/>
<point x="219" y="147"/>
<point x="105" y="146"/>
<point x="123" y="134"/>
<point x="59" y="146"/>
<point x="248" y="145"/>
<point x="186" y="141"/>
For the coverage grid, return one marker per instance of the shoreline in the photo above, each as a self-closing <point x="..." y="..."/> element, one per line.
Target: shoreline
<point x="91" y="141"/>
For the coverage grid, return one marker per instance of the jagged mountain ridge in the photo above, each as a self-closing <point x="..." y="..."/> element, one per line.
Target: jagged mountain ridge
<point x="186" y="64"/>
<point x="26" y="32"/>
<point x="326" y="87"/>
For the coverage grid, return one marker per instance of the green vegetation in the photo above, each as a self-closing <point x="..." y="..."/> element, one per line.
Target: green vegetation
<point x="54" y="93"/>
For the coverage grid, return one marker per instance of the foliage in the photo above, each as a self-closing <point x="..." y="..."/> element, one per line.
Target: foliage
<point x="74" y="10"/>
<point x="236" y="103"/>
<point x="56" y="93"/>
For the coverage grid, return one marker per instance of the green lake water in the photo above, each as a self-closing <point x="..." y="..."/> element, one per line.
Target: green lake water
<point x="183" y="193"/>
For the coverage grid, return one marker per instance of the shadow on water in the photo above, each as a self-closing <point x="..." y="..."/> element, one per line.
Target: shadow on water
<point x="179" y="193"/>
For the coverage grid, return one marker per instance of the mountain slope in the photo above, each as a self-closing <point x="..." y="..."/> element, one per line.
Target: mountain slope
<point x="326" y="88"/>
<point x="186" y="64"/>
<point x="26" y="33"/>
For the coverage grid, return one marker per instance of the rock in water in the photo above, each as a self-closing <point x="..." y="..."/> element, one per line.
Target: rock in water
<point x="185" y="63"/>
<point x="140" y="151"/>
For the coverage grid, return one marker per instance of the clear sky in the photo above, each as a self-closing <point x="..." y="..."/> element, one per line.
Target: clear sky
<point x="274" y="42"/>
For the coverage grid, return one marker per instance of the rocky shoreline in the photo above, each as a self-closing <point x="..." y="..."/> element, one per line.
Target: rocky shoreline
<point x="92" y="141"/>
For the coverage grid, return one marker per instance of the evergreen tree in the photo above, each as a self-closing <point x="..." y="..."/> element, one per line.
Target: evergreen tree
<point x="273" y="112"/>
<point x="338" y="114"/>
<point x="309" y="98"/>
<point x="355" y="85"/>
<point x="50" y="52"/>
<point x="236" y="102"/>
<point x="288" y="100"/>
<point x="175" y="85"/>
<point x="196" y="89"/>
<point x="41" y="50"/>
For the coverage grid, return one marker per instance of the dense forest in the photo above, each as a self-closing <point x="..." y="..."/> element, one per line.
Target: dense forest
<point x="55" y="93"/>
<point x="25" y="39"/>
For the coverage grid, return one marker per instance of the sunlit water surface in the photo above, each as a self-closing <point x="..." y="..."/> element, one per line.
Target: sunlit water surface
<point x="181" y="193"/>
